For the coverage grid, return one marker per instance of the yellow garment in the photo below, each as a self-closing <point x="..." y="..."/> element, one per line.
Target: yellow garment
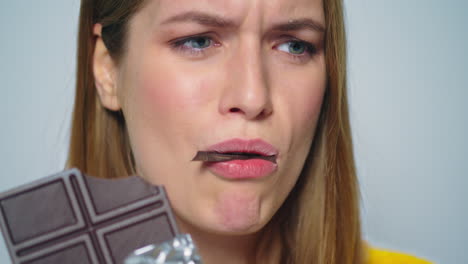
<point x="378" y="256"/>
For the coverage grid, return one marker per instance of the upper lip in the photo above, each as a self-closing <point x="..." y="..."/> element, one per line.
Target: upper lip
<point x="253" y="146"/>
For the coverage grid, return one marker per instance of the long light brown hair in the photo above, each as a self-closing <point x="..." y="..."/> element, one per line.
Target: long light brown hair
<point x="319" y="221"/>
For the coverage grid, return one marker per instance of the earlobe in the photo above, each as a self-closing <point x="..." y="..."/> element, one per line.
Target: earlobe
<point x="104" y="71"/>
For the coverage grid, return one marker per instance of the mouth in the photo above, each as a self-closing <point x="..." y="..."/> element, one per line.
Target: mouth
<point x="213" y="156"/>
<point x="240" y="159"/>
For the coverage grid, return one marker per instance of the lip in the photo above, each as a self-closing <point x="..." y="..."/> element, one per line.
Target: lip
<point x="243" y="169"/>
<point x="255" y="146"/>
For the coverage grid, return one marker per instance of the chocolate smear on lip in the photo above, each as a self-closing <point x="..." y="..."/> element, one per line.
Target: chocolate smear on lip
<point x="212" y="156"/>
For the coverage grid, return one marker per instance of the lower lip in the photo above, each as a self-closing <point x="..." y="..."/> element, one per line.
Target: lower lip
<point x="242" y="169"/>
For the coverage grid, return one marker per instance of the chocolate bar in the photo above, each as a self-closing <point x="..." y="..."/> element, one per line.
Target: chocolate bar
<point x="211" y="156"/>
<point x="73" y="218"/>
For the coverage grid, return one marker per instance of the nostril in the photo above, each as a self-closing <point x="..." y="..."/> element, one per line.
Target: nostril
<point x="234" y="110"/>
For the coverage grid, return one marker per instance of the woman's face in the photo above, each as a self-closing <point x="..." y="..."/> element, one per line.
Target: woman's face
<point x="198" y="73"/>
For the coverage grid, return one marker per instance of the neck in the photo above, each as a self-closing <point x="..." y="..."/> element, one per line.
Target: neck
<point x="220" y="248"/>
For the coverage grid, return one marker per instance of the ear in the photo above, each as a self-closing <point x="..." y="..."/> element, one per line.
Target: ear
<point x="104" y="71"/>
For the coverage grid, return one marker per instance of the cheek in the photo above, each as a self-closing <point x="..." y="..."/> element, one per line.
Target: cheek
<point x="165" y="109"/>
<point x="169" y="94"/>
<point x="304" y="98"/>
<point x="170" y="98"/>
<point x="302" y="95"/>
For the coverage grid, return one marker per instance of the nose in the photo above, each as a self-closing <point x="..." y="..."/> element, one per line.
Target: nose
<point x="246" y="91"/>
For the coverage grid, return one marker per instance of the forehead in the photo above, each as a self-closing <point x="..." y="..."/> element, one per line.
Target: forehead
<point x="239" y="11"/>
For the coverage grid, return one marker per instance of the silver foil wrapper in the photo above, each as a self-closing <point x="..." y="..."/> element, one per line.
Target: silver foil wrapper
<point x="180" y="250"/>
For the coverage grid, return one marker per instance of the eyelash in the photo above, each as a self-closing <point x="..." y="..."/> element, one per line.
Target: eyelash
<point x="179" y="45"/>
<point x="310" y="49"/>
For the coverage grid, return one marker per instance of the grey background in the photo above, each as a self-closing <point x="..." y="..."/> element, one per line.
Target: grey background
<point x="407" y="80"/>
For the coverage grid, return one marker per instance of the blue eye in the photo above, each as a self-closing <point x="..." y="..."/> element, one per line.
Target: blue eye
<point x="196" y="43"/>
<point x="296" y="47"/>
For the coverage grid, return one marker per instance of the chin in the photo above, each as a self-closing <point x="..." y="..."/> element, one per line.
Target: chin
<point x="232" y="227"/>
<point x="226" y="221"/>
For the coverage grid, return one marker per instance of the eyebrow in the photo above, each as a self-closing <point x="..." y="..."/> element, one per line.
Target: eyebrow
<point x="212" y="20"/>
<point x="201" y="18"/>
<point x="299" y="24"/>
